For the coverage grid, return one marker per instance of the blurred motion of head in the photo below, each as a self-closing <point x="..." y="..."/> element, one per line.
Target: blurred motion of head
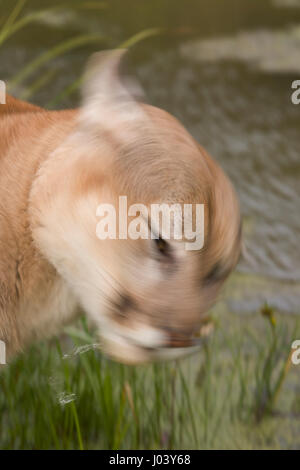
<point x="147" y="296"/>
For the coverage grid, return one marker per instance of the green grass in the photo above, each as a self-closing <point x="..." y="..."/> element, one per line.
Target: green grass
<point x="240" y="391"/>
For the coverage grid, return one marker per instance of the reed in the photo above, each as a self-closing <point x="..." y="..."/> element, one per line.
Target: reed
<point x="66" y="395"/>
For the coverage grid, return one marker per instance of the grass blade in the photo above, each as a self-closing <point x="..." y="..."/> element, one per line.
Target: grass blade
<point x="60" y="49"/>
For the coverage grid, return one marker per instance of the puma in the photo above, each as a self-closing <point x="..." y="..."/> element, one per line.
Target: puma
<point x="147" y="297"/>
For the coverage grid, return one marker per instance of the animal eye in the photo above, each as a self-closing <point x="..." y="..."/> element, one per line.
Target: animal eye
<point x="162" y="246"/>
<point x="217" y="273"/>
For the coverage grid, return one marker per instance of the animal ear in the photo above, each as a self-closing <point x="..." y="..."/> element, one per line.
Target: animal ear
<point x="109" y="102"/>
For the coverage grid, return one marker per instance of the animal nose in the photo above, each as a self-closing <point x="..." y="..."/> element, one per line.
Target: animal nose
<point x="176" y="339"/>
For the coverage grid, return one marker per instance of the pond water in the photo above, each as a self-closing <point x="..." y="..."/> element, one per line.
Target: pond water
<point x="225" y="69"/>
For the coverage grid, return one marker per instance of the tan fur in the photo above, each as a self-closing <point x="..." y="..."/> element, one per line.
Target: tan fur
<point x="55" y="169"/>
<point x="27" y="280"/>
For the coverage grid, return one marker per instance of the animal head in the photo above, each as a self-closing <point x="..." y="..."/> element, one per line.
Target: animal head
<point x="147" y="295"/>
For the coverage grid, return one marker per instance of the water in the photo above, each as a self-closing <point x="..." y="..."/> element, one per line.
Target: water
<point x="65" y="398"/>
<point x="225" y="70"/>
<point x="82" y="350"/>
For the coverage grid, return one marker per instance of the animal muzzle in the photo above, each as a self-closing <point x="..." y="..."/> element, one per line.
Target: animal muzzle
<point x="175" y="339"/>
<point x="135" y="349"/>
